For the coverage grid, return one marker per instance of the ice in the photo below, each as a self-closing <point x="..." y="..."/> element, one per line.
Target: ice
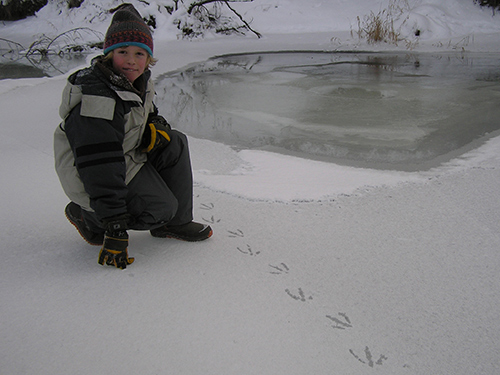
<point x="396" y="111"/>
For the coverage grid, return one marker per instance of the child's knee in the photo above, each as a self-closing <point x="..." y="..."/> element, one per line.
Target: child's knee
<point x="160" y="215"/>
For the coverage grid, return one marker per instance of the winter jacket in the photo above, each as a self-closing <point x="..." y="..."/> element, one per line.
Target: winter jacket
<point x="97" y="145"/>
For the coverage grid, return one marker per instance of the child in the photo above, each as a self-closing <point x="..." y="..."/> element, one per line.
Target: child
<point x="118" y="161"/>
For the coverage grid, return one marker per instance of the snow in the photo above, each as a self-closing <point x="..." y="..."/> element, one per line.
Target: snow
<point x="313" y="268"/>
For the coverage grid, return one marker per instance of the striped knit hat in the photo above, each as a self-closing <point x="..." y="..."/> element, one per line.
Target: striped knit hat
<point x="128" y="29"/>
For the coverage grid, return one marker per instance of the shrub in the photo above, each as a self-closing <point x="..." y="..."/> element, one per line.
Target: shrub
<point x="379" y="27"/>
<point x="205" y="15"/>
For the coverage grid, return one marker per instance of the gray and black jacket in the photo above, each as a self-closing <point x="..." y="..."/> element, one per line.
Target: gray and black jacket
<point x="97" y="145"/>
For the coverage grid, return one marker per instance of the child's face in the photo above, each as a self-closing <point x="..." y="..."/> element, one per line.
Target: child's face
<point x="131" y="61"/>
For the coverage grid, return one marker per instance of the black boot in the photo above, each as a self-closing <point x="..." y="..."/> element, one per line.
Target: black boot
<point x="192" y="232"/>
<point x="74" y="215"/>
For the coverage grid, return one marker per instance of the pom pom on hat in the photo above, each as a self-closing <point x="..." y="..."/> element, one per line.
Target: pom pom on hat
<point x="128" y="29"/>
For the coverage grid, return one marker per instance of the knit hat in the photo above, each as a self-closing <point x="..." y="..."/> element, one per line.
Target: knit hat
<point x="128" y="29"/>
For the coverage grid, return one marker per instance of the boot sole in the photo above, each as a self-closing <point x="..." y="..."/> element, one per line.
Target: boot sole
<point x="187" y="239"/>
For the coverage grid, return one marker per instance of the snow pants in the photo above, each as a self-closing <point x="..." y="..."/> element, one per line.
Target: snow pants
<point x="161" y="192"/>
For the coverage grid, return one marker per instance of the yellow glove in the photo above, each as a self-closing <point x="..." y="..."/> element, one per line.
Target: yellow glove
<point x="156" y="134"/>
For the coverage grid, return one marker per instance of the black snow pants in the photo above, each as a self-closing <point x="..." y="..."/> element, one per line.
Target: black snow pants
<point x="161" y="192"/>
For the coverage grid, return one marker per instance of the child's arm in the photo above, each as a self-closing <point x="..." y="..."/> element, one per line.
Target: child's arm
<point x="99" y="159"/>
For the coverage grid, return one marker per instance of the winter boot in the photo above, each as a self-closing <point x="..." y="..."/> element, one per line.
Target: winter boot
<point x="192" y="232"/>
<point x="74" y="215"/>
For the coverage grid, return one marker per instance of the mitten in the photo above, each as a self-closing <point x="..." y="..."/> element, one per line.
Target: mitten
<point x="156" y="134"/>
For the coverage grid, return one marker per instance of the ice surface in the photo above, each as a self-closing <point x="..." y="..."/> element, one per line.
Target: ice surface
<point x="403" y="110"/>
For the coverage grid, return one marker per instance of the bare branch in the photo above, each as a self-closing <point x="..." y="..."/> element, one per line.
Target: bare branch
<point x="198" y="4"/>
<point x="259" y="35"/>
<point x="203" y="2"/>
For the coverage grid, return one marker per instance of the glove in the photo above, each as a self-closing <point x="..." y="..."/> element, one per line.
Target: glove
<point x="156" y="134"/>
<point x="114" y="249"/>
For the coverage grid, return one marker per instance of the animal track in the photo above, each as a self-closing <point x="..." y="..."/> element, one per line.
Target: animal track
<point x="369" y="358"/>
<point x="208" y="206"/>
<point x="300" y="297"/>
<point x="237" y="233"/>
<point x="339" y="324"/>
<point x="278" y="270"/>
<point x="338" y="321"/>
<point x="248" y="251"/>
<point x="211" y="220"/>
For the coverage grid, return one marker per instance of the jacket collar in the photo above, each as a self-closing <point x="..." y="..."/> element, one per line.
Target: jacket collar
<point x="118" y="80"/>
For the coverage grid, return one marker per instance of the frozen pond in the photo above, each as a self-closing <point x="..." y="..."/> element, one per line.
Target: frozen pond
<point x="403" y="111"/>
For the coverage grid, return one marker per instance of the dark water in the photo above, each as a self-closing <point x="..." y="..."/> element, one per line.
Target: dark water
<point x="38" y="66"/>
<point x="402" y="111"/>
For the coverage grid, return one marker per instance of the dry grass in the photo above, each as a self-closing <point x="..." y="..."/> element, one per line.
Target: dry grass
<point x="379" y="27"/>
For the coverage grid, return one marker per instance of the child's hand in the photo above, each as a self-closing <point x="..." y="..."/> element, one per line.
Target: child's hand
<point x="156" y="134"/>
<point x="114" y="250"/>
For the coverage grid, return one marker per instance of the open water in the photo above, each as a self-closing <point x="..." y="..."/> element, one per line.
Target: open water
<point x="403" y="111"/>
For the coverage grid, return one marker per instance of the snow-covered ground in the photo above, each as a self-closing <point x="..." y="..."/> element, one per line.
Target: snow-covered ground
<point x="314" y="268"/>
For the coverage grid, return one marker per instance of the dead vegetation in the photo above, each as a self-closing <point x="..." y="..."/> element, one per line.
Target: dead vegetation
<point x="380" y="27"/>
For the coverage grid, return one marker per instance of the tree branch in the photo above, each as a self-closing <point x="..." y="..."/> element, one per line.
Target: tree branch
<point x="203" y="2"/>
<point x="259" y="35"/>
<point x="199" y="3"/>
